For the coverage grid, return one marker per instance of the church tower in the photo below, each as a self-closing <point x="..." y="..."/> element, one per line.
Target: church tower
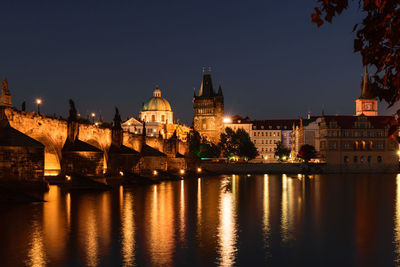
<point x="208" y="110"/>
<point x="366" y="104"/>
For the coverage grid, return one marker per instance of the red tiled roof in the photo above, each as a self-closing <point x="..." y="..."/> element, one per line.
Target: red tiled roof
<point x="347" y="122"/>
<point x="274" y="124"/>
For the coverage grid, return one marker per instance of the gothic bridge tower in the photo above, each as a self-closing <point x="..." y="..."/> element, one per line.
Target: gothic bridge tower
<point x="208" y="110"/>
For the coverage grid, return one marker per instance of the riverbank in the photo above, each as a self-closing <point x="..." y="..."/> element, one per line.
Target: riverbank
<point x="280" y="168"/>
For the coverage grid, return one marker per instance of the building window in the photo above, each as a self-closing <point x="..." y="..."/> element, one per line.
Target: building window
<point x="277" y="133"/>
<point x="255" y="134"/>
<point x="270" y="141"/>
<point x="270" y="134"/>
<point x="346" y="159"/>
<point x="355" y="145"/>
<point x="262" y="134"/>
<point x="362" y="159"/>
<point x="162" y="118"/>
<point x="369" y="159"/>
<point x="153" y="117"/>
<point x="379" y="159"/>
<point x="355" y="159"/>
<point x="346" y="146"/>
<point x="363" y="145"/>
<point x="371" y="145"/>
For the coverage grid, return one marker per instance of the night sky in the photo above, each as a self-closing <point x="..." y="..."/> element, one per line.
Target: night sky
<point x="271" y="61"/>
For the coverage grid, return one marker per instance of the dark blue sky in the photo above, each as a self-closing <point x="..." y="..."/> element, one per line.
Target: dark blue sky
<point x="271" y="61"/>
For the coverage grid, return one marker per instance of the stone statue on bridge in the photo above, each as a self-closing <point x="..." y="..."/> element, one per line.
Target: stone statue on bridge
<point x="73" y="113"/>
<point x="4" y="85"/>
<point x="117" y="119"/>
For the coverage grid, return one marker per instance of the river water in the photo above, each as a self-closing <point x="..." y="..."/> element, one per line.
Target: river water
<point x="245" y="220"/>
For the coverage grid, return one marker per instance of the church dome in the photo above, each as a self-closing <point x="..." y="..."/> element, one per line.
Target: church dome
<point x="156" y="103"/>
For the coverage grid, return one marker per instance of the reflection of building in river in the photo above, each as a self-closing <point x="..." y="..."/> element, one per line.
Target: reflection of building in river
<point x="227" y="229"/>
<point x="160" y="237"/>
<point x="127" y="230"/>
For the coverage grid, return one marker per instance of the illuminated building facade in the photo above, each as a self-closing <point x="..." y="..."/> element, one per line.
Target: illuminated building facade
<point x="359" y="142"/>
<point x="208" y="109"/>
<point x="265" y="134"/>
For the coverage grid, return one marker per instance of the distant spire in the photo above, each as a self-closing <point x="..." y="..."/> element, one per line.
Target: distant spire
<point x="203" y="70"/>
<point x="366" y="91"/>
<point x="194" y="91"/>
<point x="323" y="110"/>
<point x="209" y="69"/>
<point x="220" y="90"/>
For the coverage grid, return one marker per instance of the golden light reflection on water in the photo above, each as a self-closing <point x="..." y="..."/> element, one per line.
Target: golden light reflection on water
<point x="266" y="205"/>
<point x="36" y="254"/>
<point x="182" y="213"/>
<point x="91" y="243"/>
<point x="68" y="208"/>
<point x="161" y="221"/>
<point x="198" y="204"/>
<point x="128" y="231"/>
<point x="227" y="232"/>
<point x="286" y="208"/>
<point x="397" y="220"/>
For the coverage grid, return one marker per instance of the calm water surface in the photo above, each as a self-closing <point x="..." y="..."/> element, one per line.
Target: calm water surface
<point x="257" y="220"/>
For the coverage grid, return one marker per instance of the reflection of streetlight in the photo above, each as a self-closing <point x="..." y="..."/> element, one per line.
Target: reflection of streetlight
<point x="93" y="115"/>
<point x="38" y="102"/>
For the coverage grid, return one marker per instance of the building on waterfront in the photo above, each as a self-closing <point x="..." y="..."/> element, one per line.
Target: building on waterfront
<point x="359" y="142"/>
<point x="208" y="110"/>
<point x="265" y="134"/>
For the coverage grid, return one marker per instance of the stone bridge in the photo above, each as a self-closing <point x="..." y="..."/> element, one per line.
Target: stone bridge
<point x="52" y="133"/>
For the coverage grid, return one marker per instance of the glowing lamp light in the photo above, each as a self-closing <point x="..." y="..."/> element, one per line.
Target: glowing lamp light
<point x="227" y="120"/>
<point x="68" y="177"/>
<point x="38" y="101"/>
<point x="129" y="123"/>
<point x="398" y="153"/>
<point x="93" y="114"/>
<point x="199" y="170"/>
<point x="284" y="158"/>
<point x="155" y="172"/>
<point x="121" y="173"/>
<point x="182" y="171"/>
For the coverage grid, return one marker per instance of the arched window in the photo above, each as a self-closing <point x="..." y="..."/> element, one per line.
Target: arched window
<point x="153" y="117"/>
<point x="356" y="145"/>
<point x="363" y="145"/>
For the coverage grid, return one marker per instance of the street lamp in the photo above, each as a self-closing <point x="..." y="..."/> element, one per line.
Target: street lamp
<point x="38" y="102"/>
<point x="93" y="115"/>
